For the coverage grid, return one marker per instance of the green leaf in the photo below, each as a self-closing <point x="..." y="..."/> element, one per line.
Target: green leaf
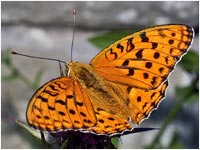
<point x="115" y="141"/>
<point x="175" y="142"/>
<point x="13" y="75"/>
<point x="6" y="57"/>
<point x="9" y="77"/>
<point x="64" y="144"/>
<point x="34" y="132"/>
<point x="193" y="98"/>
<point x="35" y="137"/>
<point x="102" y="41"/>
<point x="37" y="79"/>
<point x="190" y="62"/>
<point x="188" y="94"/>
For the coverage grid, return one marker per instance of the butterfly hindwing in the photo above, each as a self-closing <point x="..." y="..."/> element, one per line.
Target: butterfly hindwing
<point x="110" y="124"/>
<point x="141" y="102"/>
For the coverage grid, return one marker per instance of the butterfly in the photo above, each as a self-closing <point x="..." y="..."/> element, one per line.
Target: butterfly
<point x="119" y="87"/>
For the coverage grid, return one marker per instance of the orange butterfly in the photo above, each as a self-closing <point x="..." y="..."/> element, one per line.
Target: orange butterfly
<point x="120" y="86"/>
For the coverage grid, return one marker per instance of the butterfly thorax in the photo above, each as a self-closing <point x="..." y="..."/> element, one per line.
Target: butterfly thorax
<point x="100" y="91"/>
<point x="83" y="73"/>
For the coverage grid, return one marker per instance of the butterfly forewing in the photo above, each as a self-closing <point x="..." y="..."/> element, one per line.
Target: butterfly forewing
<point x="60" y="104"/>
<point x="144" y="59"/>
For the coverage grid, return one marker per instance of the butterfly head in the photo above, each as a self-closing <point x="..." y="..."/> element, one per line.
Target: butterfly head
<point x="72" y="68"/>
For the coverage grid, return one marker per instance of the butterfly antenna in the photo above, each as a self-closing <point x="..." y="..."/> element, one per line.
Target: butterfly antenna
<point x="15" y="53"/>
<point x="61" y="70"/>
<point x="74" y="14"/>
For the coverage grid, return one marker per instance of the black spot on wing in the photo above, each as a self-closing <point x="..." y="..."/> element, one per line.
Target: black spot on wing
<point x="120" y="47"/>
<point x="125" y="63"/>
<point x="130" y="72"/>
<point x="139" y="54"/>
<point x="171" y="41"/>
<point x="145" y="75"/>
<point x="154" y="45"/>
<point x="60" y="102"/>
<point x="144" y="37"/>
<point x="42" y="98"/>
<point x="72" y="112"/>
<point x="148" y="65"/>
<point x="130" y="45"/>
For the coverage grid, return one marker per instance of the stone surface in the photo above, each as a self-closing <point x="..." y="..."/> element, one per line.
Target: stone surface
<point x="100" y="15"/>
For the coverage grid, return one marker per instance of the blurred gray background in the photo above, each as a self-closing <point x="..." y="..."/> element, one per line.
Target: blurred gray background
<point x="45" y="29"/>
